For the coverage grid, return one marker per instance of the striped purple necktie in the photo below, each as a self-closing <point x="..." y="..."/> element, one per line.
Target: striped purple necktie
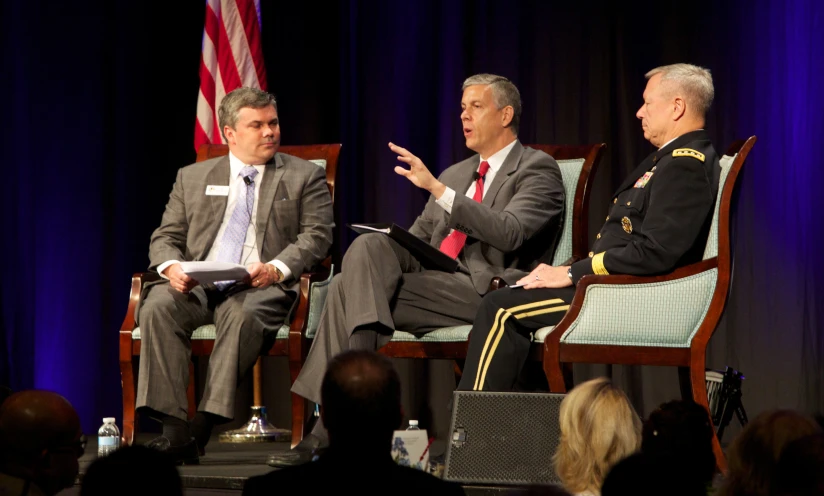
<point x="231" y="245"/>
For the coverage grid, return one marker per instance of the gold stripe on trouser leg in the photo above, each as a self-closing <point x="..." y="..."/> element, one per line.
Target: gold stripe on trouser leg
<point x="500" y="334"/>
<point x="483" y="366"/>
<point x="562" y="308"/>
<point x="498" y="315"/>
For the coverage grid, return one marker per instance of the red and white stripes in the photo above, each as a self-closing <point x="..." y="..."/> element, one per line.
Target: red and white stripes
<point x="232" y="57"/>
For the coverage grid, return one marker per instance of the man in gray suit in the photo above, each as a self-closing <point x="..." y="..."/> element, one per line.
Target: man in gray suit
<point x="497" y="212"/>
<point x="268" y="211"/>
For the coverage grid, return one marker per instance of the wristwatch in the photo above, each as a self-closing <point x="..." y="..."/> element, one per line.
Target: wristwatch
<point x="569" y="274"/>
<point x="278" y="272"/>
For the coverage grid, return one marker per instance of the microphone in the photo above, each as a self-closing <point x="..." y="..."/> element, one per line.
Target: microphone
<point x="476" y="176"/>
<point x="247" y="181"/>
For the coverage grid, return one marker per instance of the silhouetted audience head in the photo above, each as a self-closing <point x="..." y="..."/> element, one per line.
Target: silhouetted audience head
<point x="599" y="427"/>
<point x="132" y="470"/>
<point x="643" y="474"/>
<point x="800" y="469"/>
<point x="753" y="455"/>
<point x="683" y="430"/>
<point x="361" y="400"/>
<point x="40" y="439"/>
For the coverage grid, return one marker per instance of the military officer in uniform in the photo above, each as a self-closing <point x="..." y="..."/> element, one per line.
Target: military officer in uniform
<point x="659" y="220"/>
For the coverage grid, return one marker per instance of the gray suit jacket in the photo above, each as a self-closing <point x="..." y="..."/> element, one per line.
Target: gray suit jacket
<point x="294" y="218"/>
<point x="517" y="225"/>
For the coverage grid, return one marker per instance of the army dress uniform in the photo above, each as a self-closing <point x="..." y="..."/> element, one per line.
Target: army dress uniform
<point x="659" y="219"/>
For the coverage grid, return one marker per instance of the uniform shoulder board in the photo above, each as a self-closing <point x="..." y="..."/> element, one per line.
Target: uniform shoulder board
<point x="688" y="152"/>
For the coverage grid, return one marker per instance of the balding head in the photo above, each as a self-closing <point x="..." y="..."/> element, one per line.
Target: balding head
<point x="361" y="396"/>
<point x="39" y="436"/>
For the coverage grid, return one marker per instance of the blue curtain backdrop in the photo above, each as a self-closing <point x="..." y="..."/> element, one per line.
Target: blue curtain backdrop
<point x="100" y="102"/>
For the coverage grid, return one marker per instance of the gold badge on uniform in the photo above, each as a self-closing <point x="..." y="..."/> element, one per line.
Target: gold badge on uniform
<point x="627" y="225"/>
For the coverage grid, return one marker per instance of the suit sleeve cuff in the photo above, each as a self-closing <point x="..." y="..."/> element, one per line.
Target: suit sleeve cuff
<point x="287" y="273"/>
<point x="447" y="199"/>
<point x="164" y="266"/>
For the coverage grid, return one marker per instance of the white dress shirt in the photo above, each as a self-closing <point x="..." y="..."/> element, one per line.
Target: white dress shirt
<point x="250" y="253"/>
<point x="495" y="162"/>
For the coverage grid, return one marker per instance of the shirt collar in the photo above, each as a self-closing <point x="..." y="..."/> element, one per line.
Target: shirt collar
<point x="497" y="158"/>
<point x="235" y="166"/>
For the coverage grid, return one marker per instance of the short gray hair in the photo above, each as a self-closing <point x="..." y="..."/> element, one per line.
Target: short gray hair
<point x="504" y="93"/>
<point x="241" y="98"/>
<point x="694" y="81"/>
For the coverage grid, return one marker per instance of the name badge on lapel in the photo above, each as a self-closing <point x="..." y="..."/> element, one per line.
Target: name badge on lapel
<point x="215" y="190"/>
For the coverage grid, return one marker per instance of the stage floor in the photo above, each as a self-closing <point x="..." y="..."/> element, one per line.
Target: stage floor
<point x="225" y="468"/>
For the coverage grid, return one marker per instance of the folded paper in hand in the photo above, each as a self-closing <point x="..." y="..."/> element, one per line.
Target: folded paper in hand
<point x="209" y="272"/>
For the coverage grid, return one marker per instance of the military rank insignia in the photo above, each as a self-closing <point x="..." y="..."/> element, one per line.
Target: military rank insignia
<point x="643" y="180"/>
<point x="627" y="225"/>
<point x="688" y="152"/>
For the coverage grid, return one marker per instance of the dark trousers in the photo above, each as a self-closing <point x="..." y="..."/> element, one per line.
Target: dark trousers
<point x="502" y="334"/>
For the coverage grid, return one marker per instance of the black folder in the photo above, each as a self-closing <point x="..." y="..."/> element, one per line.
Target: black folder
<point x="429" y="256"/>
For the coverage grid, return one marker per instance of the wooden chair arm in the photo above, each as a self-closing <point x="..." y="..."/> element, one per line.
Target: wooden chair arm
<point x="138" y="280"/>
<point x="571" y="315"/>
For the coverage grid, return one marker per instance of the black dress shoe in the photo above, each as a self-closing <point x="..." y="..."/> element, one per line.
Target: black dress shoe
<point x="185" y="454"/>
<point x="308" y="450"/>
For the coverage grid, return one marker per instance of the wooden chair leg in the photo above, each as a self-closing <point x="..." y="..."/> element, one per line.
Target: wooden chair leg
<point x="190" y="391"/>
<point x="699" y="395"/>
<point x="129" y="393"/>
<point x="553" y="369"/>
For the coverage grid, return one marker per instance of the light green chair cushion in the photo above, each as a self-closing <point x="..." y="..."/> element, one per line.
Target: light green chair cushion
<point x="570" y="172"/>
<point x="712" y="240"/>
<point x="208" y="332"/>
<point x="455" y="334"/>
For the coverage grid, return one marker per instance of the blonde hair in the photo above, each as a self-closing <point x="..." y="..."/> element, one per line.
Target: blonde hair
<point x="599" y="428"/>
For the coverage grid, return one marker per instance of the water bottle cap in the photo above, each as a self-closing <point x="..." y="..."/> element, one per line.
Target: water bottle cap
<point x="108" y="420"/>
<point x="413" y="422"/>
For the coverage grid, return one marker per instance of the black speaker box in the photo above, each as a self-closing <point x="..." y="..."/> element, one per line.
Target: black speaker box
<point x="503" y="438"/>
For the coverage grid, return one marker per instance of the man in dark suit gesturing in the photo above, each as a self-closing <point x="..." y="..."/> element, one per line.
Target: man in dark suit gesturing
<point x="362" y="407"/>
<point x="266" y="210"/>
<point x="497" y="213"/>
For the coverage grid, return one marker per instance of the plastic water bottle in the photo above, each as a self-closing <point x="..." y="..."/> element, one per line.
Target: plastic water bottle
<point x="413" y="426"/>
<point x="108" y="437"/>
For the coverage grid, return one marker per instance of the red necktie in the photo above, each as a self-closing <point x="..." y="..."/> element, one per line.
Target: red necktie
<point x="454" y="243"/>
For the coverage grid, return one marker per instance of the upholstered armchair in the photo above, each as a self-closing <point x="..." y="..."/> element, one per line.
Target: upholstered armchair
<point x="661" y="320"/>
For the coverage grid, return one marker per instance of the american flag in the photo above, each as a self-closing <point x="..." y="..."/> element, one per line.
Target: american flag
<point x="232" y="57"/>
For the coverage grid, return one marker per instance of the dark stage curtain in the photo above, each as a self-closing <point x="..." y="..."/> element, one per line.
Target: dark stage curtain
<point x="100" y="102"/>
